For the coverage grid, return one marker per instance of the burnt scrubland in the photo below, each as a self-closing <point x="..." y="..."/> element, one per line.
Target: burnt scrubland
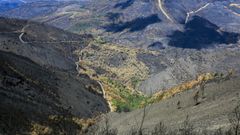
<point x="216" y="111"/>
<point x="107" y="67"/>
<point x="51" y="98"/>
<point x="38" y="94"/>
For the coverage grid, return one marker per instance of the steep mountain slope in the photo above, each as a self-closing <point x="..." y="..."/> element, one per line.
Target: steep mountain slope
<point x="127" y="21"/>
<point x="174" y="66"/>
<point x="39" y="82"/>
<point x="45" y="45"/>
<point x="216" y="102"/>
<point x="138" y="48"/>
<point x="45" y="88"/>
<point x="186" y="50"/>
<point x="6" y="5"/>
<point x="193" y="37"/>
<point x="62" y="14"/>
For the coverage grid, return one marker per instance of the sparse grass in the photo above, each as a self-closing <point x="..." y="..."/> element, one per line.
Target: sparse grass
<point x="131" y="100"/>
<point x="187" y="127"/>
<point x="13" y="121"/>
<point x="135" y="82"/>
<point x="204" y="78"/>
<point x="120" y="82"/>
<point x="61" y="125"/>
<point x="129" y="68"/>
<point x="124" y="99"/>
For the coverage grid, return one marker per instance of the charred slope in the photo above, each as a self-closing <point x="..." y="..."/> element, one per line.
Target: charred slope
<point x="31" y="9"/>
<point x="8" y="5"/>
<point x="148" y="21"/>
<point x="31" y="94"/>
<point x="215" y="102"/>
<point x="200" y="33"/>
<point x="38" y="79"/>
<point x="45" y="45"/>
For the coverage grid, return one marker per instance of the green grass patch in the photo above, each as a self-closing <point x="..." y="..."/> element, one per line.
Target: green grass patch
<point x="130" y="100"/>
<point x="135" y="82"/>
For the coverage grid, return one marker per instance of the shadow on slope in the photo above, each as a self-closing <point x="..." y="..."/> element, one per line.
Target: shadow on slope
<point x="113" y="16"/>
<point x="200" y="33"/>
<point x="124" y="5"/>
<point x="5" y="5"/>
<point x="134" y="25"/>
<point x="31" y="95"/>
<point x="32" y="88"/>
<point x="15" y="121"/>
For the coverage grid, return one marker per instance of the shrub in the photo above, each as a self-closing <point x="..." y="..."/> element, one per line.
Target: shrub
<point x="234" y="119"/>
<point x="160" y="129"/>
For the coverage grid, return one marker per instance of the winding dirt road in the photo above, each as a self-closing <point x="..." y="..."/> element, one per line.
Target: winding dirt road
<point x="23" y="30"/>
<point x="196" y="11"/>
<point x="105" y="96"/>
<point x="161" y="7"/>
<point x="20" y="38"/>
